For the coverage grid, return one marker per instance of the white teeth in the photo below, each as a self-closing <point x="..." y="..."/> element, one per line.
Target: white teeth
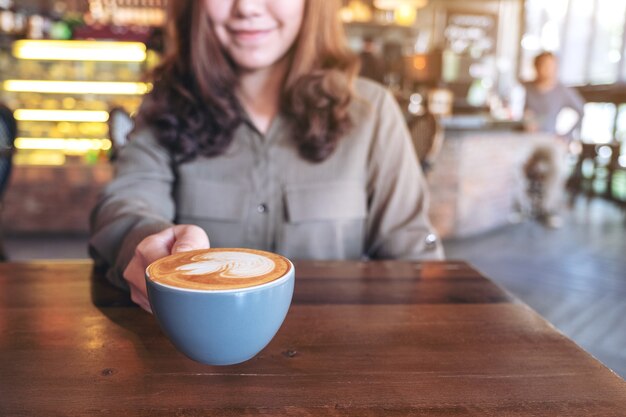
<point x="230" y="265"/>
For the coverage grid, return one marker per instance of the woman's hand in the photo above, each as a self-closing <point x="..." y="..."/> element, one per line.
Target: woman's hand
<point x="180" y="238"/>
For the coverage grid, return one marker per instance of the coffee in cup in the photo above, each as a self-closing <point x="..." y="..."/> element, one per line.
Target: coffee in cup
<point x="220" y="306"/>
<point x="215" y="270"/>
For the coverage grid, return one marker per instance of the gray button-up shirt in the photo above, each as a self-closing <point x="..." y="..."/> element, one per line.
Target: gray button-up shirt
<point x="367" y="200"/>
<point x="546" y="106"/>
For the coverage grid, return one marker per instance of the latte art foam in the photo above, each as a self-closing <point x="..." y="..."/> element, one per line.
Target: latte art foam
<point x="230" y="265"/>
<point x="218" y="269"/>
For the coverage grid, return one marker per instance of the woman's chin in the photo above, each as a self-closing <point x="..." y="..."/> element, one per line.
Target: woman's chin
<point x="254" y="64"/>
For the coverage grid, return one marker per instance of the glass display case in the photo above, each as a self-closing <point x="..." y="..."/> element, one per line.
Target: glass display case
<point x="62" y="91"/>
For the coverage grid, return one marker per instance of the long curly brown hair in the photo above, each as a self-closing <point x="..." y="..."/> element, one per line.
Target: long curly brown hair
<point x="193" y="109"/>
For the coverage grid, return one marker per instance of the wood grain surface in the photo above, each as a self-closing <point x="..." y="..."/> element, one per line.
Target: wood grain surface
<point x="360" y="339"/>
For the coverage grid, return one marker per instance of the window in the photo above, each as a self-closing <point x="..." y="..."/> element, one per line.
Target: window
<point x="620" y="127"/>
<point x="543" y="32"/>
<point x="606" y="52"/>
<point x="575" y="51"/>
<point x="598" y="122"/>
<point x="587" y="36"/>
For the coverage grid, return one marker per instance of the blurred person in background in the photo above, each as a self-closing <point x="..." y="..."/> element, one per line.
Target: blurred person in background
<point x="549" y="106"/>
<point x="547" y="98"/>
<point x="258" y="134"/>
<point x="8" y="133"/>
<point x="372" y="65"/>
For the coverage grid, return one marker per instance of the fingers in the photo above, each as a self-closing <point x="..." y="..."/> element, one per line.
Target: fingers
<point x="156" y="246"/>
<point x="148" y="250"/>
<point x="140" y="297"/>
<point x="189" y="237"/>
<point x="134" y="275"/>
<point x="180" y="238"/>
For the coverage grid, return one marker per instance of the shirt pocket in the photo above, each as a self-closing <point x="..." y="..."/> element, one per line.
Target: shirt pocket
<point x="219" y="208"/>
<point x="324" y="220"/>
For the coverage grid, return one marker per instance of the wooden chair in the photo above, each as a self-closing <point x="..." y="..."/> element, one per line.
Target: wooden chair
<point x="616" y="179"/>
<point x="594" y="176"/>
<point x="427" y="136"/>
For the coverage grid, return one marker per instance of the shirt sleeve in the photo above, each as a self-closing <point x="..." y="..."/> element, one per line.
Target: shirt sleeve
<point x="574" y="100"/>
<point x="397" y="223"/>
<point x="137" y="203"/>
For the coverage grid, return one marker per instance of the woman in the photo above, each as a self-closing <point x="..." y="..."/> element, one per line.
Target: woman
<point x="257" y="134"/>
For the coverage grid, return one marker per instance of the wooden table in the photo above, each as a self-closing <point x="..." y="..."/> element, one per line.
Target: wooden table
<point x="361" y="339"/>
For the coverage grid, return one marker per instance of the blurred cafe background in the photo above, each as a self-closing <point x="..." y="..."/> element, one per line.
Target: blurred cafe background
<point x="71" y="71"/>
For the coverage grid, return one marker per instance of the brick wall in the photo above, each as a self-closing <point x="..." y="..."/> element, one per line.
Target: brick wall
<point x="52" y="199"/>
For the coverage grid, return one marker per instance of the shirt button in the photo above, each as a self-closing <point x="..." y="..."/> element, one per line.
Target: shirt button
<point x="261" y="208"/>
<point x="430" y="241"/>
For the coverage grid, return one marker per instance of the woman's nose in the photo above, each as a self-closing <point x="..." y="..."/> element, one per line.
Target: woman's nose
<point x="246" y="8"/>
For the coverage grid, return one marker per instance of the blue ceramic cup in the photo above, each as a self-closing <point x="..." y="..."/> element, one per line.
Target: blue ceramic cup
<point x="221" y="327"/>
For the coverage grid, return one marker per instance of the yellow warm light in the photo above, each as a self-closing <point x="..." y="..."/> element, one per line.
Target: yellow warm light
<point x="419" y="62"/>
<point x="395" y="4"/>
<point x="39" y="158"/>
<point x="61" y="115"/>
<point x="405" y="14"/>
<point x="346" y="14"/>
<point x="65" y="145"/>
<point x="76" y="87"/>
<point x="80" y="50"/>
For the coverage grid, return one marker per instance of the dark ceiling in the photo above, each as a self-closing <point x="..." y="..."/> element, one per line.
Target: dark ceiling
<point x="47" y="5"/>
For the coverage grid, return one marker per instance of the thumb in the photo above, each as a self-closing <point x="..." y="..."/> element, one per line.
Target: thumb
<point x="189" y="237"/>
